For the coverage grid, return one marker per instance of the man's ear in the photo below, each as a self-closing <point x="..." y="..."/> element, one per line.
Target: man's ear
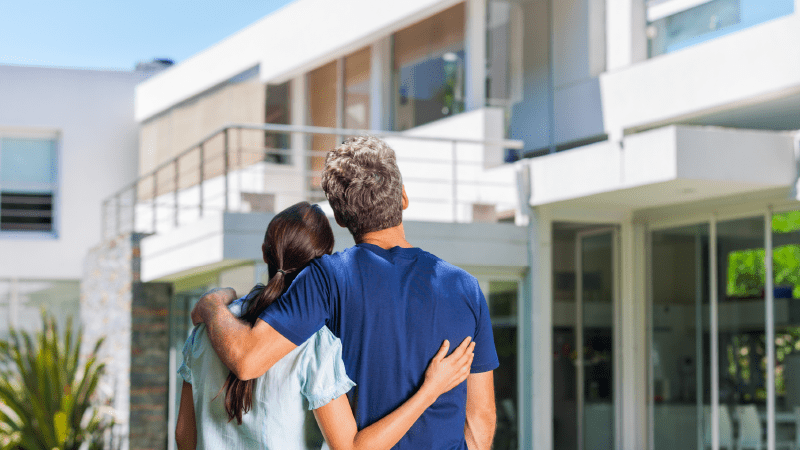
<point x="405" y="198"/>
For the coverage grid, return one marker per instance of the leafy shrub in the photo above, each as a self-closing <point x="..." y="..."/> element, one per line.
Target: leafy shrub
<point x="46" y="393"/>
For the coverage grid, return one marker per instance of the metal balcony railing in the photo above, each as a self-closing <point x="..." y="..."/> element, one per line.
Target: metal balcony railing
<point x="265" y="168"/>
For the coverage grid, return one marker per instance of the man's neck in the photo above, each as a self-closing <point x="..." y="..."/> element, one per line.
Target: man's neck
<point x="386" y="238"/>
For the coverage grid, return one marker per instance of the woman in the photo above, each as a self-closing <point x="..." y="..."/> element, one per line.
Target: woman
<point x="270" y="410"/>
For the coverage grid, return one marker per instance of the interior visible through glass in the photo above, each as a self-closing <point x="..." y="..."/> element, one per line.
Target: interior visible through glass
<point x="679" y="348"/>
<point x="502" y="298"/>
<point x="429" y="69"/>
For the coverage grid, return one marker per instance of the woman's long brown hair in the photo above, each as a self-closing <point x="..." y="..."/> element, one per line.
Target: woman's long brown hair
<point x="294" y="237"/>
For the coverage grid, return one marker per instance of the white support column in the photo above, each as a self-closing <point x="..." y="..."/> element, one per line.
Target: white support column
<point x="626" y="42"/>
<point x="475" y="44"/>
<point x="298" y="113"/>
<point x="714" y="331"/>
<point x="380" y="89"/>
<point x="541" y="323"/>
<point x="769" y="331"/>
<point x="631" y="379"/>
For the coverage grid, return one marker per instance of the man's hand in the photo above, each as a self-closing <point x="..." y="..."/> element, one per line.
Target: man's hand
<point x="209" y="300"/>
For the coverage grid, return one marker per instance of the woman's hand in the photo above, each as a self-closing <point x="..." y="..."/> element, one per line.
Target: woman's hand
<point x="445" y="373"/>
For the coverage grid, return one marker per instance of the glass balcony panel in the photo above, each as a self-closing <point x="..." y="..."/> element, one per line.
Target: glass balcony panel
<point x="708" y="21"/>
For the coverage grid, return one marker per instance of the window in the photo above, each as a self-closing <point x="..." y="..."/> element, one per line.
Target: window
<point x="676" y="24"/>
<point x="504" y="53"/>
<point x="338" y="96"/>
<point x="428" y="69"/>
<point x="278" y="112"/>
<point x="28" y="184"/>
<point x="357" y="73"/>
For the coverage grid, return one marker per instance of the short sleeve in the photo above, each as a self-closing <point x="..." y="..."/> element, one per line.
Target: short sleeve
<point x="485" y="358"/>
<point x="325" y="375"/>
<point x="185" y="370"/>
<point x="304" y="308"/>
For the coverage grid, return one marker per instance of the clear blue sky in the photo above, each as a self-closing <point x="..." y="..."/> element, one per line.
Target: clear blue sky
<point x="116" y="34"/>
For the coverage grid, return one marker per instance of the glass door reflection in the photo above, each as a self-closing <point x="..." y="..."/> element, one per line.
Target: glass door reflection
<point x="596" y="293"/>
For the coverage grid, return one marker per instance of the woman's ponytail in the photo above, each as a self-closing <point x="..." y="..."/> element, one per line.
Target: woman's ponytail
<point x="294" y="237"/>
<point x="239" y="393"/>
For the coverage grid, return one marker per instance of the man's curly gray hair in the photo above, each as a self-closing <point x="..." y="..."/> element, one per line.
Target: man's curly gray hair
<point x="363" y="185"/>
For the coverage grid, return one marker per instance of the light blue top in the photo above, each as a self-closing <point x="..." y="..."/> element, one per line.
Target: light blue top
<point x="310" y="376"/>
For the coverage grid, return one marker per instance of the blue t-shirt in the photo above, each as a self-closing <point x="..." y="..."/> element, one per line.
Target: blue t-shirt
<point x="392" y="309"/>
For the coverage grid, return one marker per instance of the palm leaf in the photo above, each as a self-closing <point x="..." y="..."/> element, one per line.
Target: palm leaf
<point x="46" y="392"/>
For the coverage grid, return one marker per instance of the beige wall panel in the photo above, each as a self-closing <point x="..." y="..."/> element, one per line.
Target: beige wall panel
<point x="173" y="132"/>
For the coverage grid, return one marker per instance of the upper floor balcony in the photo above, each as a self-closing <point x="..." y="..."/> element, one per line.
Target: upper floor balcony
<point x="451" y="170"/>
<point x="731" y="63"/>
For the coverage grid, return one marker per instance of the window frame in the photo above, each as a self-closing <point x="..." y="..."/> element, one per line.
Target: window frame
<point x="55" y="137"/>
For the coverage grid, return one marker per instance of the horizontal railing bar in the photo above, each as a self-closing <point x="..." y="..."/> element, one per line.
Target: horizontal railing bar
<point x="400" y="159"/>
<point x="306" y="129"/>
<point x="506" y="143"/>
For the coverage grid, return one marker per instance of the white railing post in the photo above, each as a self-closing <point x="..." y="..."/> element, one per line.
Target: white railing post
<point x="225" y="168"/>
<point x="117" y="230"/>
<point x="155" y="194"/>
<point x="202" y="177"/>
<point x="175" y="195"/>
<point x="134" y="200"/>
<point x="104" y="215"/>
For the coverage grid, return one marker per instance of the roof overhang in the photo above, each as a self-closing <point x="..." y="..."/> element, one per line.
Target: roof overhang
<point x="666" y="166"/>
<point x="298" y="37"/>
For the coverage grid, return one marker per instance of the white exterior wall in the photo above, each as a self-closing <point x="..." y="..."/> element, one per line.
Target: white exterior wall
<point x="749" y="66"/>
<point x="92" y="114"/>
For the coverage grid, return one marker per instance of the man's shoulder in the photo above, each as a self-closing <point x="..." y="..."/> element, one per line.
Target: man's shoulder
<point x="450" y="274"/>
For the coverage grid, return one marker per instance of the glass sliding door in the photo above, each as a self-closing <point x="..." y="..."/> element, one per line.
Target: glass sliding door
<point x="278" y="112"/>
<point x="502" y="297"/>
<point x="428" y="69"/>
<point x="679" y="357"/>
<point x="741" y="340"/>
<point x="565" y="419"/>
<point x="596" y="294"/>
<point x="786" y="315"/>
<point x="357" y="75"/>
<point x="322" y="85"/>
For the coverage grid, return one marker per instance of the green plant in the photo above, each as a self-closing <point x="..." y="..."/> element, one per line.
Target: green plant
<point x="46" y="392"/>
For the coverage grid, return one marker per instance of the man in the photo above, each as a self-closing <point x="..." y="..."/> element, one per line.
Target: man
<point x="390" y="304"/>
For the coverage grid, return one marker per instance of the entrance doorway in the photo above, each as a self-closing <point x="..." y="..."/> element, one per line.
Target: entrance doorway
<point x="585" y="311"/>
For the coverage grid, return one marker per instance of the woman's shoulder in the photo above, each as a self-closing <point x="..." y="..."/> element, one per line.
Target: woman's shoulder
<point x="325" y="337"/>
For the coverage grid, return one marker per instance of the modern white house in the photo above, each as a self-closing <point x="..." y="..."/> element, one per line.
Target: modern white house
<point x="620" y="176"/>
<point x="68" y="139"/>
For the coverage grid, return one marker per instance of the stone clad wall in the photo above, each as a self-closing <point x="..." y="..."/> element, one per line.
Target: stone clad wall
<point x="106" y="312"/>
<point x="133" y="317"/>
<point x="149" y="370"/>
